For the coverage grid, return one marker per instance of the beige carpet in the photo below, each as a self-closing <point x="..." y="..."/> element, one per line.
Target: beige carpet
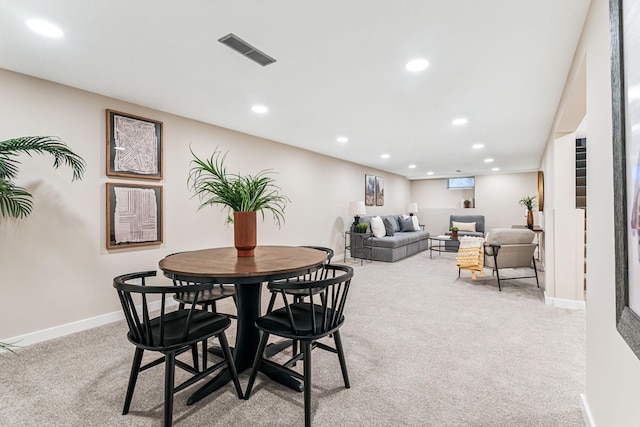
<point x="423" y="348"/>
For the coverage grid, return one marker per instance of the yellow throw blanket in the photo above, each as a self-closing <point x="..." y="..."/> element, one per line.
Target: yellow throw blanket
<point x="471" y="255"/>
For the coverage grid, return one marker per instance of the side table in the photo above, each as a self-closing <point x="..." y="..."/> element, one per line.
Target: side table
<point x="355" y="243"/>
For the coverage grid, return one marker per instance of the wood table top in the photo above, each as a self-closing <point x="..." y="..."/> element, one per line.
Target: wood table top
<point x="224" y="263"/>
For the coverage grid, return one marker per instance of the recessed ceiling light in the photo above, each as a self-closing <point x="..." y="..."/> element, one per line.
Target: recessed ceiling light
<point x="459" y="121"/>
<point x="44" y="28"/>
<point x="495" y="169"/>
<point x="412" y="166"/>
<point x="429" y="173"/>
<point x="385" y="156"/>
<point x="260" y="109"/>
<point x="342" y="139"/>
<point x="478" y="146"/>
<point x="489" y="160"/>
<point x="416" y="65"/>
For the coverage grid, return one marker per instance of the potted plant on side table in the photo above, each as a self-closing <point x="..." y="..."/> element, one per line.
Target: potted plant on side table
<point x="529" y="202"/>
<point x="244" y="195"/>
<point x="454" y="232"/>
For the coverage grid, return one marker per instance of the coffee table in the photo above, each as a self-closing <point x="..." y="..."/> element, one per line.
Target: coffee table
<point x="442" y="244"/>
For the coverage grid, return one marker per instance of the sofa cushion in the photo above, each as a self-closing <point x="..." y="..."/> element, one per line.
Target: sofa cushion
<point x="377" y="227"/>
<point x="464" y="226"/>
<point x="406" y="224"/>
<point x="393" y="219"/>
<point x="388" y="226"/>
<point x="510" y="236"/>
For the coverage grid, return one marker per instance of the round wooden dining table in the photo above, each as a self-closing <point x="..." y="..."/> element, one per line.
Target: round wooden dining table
<point x="247" y="274"/>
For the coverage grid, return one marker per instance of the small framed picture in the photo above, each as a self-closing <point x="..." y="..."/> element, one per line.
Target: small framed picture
<point x="369" y="190"/>
<point x="134" y="215"/>
<point x="379" y="191"/>
<point x="134" y="146"/>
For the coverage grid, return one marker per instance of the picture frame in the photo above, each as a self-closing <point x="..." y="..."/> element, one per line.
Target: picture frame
<point x="369" y="190"/>
<point x="379" y="191"/>
<point x="625" y="74"/>
<point x="134" y="146"/>
<point x="134" y="215"/>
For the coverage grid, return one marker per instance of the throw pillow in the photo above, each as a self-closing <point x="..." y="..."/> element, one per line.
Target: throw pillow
<point x="416" y="223"/>
<point x="377" y="227"/>
<point x="464" y="226"/>
<point x="388" y="226"/>
<point x="406" y="224"/>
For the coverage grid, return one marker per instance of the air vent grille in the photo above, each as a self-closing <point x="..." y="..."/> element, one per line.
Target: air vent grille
<point x="244" y="48"/>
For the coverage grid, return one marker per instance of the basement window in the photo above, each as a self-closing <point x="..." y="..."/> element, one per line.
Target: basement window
<point x="461" y="183"/>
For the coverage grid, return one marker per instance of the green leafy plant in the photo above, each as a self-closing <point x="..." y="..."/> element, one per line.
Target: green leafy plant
<point x="362" y="227"/>
<point x="16" y="202"/>
<point x="213" y="185"/>
<point x="453" y="229"/>
<point x="529" y="202"/>
<point x="466" y="201"/>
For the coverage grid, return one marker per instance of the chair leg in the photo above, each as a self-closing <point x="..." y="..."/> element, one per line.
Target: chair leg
<point x="306" y="352"/>
<point x="343" y="362"/>
<point x="256" y="364"/>
<point x="194" y="356"/>
<point x="224" y="344"/>
<point x="133" y="377"/>
<point x="498" y="276"/>
<point x="204" y="354"/>
<point x="535" y="270"/>
<point x="169" y="373"/>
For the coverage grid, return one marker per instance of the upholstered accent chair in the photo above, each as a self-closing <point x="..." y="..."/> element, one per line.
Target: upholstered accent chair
<point x="510" y="248"/>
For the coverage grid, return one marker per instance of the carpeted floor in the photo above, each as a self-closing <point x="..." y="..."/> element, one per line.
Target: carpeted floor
<point x="423" y="348"/>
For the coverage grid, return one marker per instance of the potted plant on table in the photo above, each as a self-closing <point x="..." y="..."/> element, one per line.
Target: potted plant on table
<point x="243" y="195"/>
<point x="529" y="202"/>
<point x="466" y="203"/>
<point x="454" y="232"/>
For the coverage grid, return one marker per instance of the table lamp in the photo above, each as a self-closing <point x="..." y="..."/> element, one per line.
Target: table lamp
<point x="412" y="208"/>
<point x="357" y="208"/>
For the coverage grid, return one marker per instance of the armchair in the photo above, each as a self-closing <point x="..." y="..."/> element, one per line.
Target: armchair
<point x="510" y="248"/>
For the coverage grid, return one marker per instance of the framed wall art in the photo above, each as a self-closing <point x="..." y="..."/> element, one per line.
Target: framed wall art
<point x="134" y="146"/>
<point x="369" y="190"/>
<point x="134" y="215"/>
<point x="625" y="76"/>
<point x="379" y="191"/>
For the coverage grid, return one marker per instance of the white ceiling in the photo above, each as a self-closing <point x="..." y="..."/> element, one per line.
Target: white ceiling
<point x="340" y="71"/>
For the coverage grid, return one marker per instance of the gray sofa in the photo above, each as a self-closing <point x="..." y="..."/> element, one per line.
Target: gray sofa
<point x="388" y="248"/>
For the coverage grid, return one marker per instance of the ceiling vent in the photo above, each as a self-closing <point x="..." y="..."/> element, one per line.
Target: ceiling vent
<point x="239" y="45"/>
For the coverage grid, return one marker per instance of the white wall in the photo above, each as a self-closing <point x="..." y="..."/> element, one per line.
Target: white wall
<point x="55" y="266"/>
<point x="496" y="197"/>
<point x="613" y="371"/>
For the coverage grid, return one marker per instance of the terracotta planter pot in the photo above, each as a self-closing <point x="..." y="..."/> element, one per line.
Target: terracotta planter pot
<point x="530" y="220"/>
<point x="454" y="234"/>
<point x="245" y="233"/>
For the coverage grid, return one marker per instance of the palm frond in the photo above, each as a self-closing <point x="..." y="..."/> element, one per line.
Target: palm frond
<point x="52" y="145"/>
<point x="15" y="202"/>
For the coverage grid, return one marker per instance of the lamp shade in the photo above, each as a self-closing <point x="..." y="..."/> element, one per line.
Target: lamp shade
<point x="357" y="208"/>
<point x="412" y="207"/>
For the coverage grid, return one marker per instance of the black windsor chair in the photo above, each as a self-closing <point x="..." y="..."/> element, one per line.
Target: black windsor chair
<point x="306" y="321"/>
<point x="170" y="333"/>
<point x="298" y="295"/>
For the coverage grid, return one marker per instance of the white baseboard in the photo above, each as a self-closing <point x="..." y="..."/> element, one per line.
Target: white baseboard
<point x="586" y="412"/>
<point x="73" y="327"/>
<point x="565" y="303"/>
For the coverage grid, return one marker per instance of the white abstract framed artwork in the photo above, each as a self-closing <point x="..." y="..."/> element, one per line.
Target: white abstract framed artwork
<point x="134" y="146"/>
<point x="134" y="215"/>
